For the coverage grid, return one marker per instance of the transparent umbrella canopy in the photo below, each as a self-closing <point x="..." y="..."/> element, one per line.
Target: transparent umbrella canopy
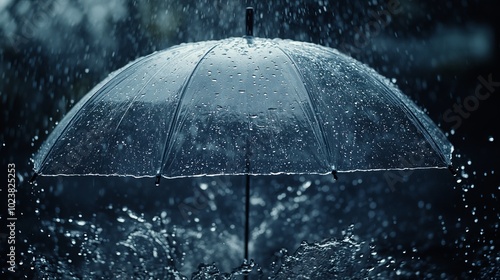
<point x="242" y="106"/>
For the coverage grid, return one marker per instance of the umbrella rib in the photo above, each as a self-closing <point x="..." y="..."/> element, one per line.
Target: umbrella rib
<point x="418" y="123"/>
<point x="139" y="93"/>
<point x="317" y="118"/>
<point x="175" y="117"/>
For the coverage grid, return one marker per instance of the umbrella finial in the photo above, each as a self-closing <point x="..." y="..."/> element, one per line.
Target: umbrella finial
<point x="249" y="21"/>
<point x="453" y="170"/>
<point x="33" y="178"/>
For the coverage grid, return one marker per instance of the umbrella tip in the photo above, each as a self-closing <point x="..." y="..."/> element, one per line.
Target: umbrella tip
<point x="33" y="178"/>
<point x="334" y="173"/>
<point x="157" y="180"/>
<point x="453" y="170"/>
<point x="249" y="21"/>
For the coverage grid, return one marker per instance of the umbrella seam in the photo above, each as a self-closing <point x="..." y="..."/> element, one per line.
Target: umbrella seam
<point x="316" y="117"/>
<point x="244" y="173"/>
<point x="175" y="117"/>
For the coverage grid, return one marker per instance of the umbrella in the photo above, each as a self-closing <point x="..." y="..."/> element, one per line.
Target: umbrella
<point x="242" y="106"/>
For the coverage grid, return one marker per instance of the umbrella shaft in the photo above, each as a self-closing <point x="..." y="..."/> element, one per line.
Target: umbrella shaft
<point x="247" y="214"/>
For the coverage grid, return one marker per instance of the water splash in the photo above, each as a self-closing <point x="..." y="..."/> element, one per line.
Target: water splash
<point x="347" y="258"/>
<point x="150" y="249"/>
<point x="394" y="236"/>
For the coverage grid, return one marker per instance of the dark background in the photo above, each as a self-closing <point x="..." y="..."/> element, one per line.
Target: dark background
<point x="53" y="52"/>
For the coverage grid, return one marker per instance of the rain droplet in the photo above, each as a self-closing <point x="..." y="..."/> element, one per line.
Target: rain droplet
<point x="241" y="91"/>
<point x="491" y="139"/>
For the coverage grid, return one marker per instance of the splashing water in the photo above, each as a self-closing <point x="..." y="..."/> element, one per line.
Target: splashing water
<point x="147" y="250"/>
<point x="392" y="234"/>
<point x="330" y="259"/>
